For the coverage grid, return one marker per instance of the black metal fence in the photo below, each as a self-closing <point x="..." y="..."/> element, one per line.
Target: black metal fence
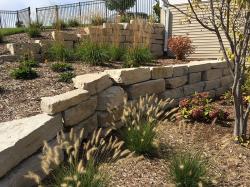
<point x="10" y="19"/>
<point x="84" y="11"/>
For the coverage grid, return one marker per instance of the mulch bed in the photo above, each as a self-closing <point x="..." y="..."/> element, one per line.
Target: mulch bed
<point x="21" y="98"/>
<point x="228" y="163"/>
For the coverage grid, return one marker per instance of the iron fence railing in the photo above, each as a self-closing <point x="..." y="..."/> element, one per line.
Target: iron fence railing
<point x="10" y="19"/>
<point x="84" y="11"/>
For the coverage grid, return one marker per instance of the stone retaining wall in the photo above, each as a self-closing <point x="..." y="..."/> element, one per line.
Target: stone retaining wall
<point x="87" y="107"/>
<point x="123" y="34"/>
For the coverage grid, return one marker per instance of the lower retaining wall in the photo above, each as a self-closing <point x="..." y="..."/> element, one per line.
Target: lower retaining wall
<point x="87" y="107"/>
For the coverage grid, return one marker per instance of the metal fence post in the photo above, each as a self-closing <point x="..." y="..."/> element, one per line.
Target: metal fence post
<point x="37" y="19"/>
<point x="1" y="25"/>
<point x="57" y="13"/>
<point x="80" y="13"/>
<point x="136" y="8"/>
<point x="18" y="20"/>
<point x="29" y="15"/>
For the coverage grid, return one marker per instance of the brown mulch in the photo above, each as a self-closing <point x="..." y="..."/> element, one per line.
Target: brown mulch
<point x="21" y="98"/>
<point x="228" y="163"/>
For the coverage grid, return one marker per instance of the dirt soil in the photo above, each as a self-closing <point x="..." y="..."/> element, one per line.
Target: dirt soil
<point x="228" y="163"/>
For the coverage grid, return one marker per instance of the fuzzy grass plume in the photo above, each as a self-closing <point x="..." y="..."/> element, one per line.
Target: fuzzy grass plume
<point x="72" y="162"/>
<point x="140" y="119"/>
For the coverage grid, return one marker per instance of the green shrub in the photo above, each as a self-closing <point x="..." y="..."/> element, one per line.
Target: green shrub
<point x="93" y="53"/>
<point x="73" y="23"/>
<point x="58" y="52"/>
<point x="60" y="25"/>
<point x="1" y="37"/>
<point x="137" y="56"/>
<point x="140" y="120"/>
<point x="116" y="53"/>
<point x="66" y="77"/>
<point x="97" y="20"/>
<point x="187" y="170"/>
<point x="34" y="30"/>
<point x="61" y="67"/>
<point x="23" y="72"/>
<point x="11" y="31"/>
<point x="29" y="63"/>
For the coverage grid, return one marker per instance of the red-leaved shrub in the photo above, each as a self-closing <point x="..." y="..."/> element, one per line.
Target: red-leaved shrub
<point x="181" y="46"/>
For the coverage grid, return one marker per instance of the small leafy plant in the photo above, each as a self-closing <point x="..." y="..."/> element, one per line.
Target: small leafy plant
<point x="137" y="56"/>
<point x="181" y="47"/>
<point x="23" y="72"/>
<point x="93" y="53"/>
<point x="188" y="170"/>
<point x="66" y="77"/>
<point x="29" y="63"/>
<point x="61" y="67"/>
<point x="34" y="30"/>
<point x="73" y="23"/>
<point x="200" y="108"/>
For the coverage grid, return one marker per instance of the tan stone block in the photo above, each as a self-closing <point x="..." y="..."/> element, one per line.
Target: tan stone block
<point x="138" y="90"/>
<point x="94" y="82"/>
<point x="20" y="139"/>
<point x="129" y="76"/>
<point x="59" y="103"/>
<point x="80" y="112"/>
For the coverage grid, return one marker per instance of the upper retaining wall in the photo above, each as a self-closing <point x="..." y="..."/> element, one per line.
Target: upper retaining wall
<point x="87" y="107"/>
<point x="122" y="34"/>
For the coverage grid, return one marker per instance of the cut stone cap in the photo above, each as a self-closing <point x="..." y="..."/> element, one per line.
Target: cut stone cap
<point x="128" y="76"/>
<point x="59" y="103"/>
<point x="94" y="82"/>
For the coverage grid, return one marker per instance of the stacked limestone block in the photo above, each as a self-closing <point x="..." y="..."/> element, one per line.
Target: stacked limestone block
<point x="109" y="97"/>
<point x="17" y="50"/>
<point x="130" y="34"/>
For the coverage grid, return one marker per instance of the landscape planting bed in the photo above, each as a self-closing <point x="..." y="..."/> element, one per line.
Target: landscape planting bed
<point x="226" y="167"/>
<point x="21" y="98"/>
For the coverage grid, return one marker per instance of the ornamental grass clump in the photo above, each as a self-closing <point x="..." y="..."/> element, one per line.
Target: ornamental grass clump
<point x="93" y="53"/>
<point x="34" y="30"/>
<point x="188" y="170"/>
<point x="199" y="108"/>
<point x="59" y="52"/>
<point x="73" y="163"/>
<point x="140" y="120"/>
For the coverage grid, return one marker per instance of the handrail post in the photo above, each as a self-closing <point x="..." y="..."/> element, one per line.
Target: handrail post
<point x="29" y="15"/>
